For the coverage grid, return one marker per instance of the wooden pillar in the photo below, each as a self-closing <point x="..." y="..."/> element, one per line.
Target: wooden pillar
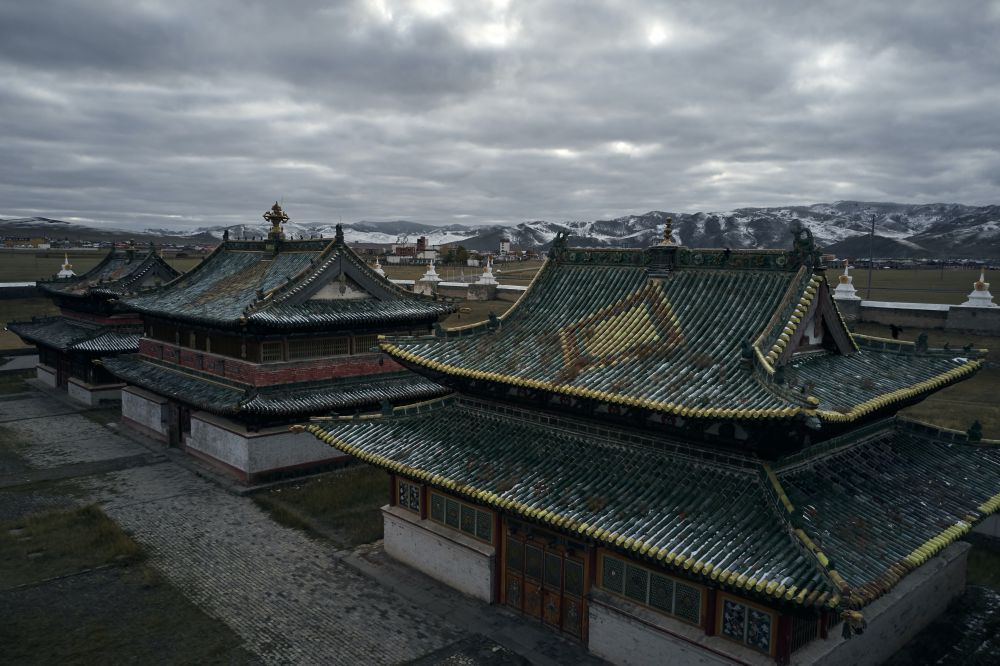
<point x="708" y="623"/>
<point x="499" y="554"/>
<point x="783" y="646"/>
<point x="824" y="621"/>
<point x="425" y="497"/>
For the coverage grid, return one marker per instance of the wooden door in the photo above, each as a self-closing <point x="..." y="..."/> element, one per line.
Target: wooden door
<point x="546" y="580"/>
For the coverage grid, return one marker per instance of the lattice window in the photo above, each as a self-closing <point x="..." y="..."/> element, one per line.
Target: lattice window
<point x="271" y="352"/>
<point x="573" y="577"/>
<point x="515" y="555"/>
<point x="636" y="583"/>
<point x="687" y="602"/>
<point x="475" y="522"/>
<point x="409" y="496"/>
<point x="553" y="570"/>
<point x="613" y="575"/>
<point x="804" y="630"/>
<point x="437" y="508"/>
<point x="317" y="347"/>
<point x="533" y="562"/>
<point x="363" y="344"/>
<point x="652" y="589"/>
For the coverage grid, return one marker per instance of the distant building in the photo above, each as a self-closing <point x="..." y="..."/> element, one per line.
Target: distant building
<point x="504" y="246"/>
<point x="92" y="323"/>
<point x="266" y="333"/>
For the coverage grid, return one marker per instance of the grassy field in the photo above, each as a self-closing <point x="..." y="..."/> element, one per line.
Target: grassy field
<point x="74" y="590"/>
<point x="342" y="506"/>
<point x="26" y="266"/>
<point x="949" y="286"/>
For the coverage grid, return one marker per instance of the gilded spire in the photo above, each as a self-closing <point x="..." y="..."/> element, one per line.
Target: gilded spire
<point x="668" y="232"/>
<point x="276" y="217"/>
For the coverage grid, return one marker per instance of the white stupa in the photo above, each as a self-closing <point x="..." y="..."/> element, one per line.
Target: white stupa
<point x="487" y="276"/>
<point x="431" y="275"/>
<point x="845" y="290"/>
<point x="980" y="296"/>
<point x="378" y="268"/>
<point x="67" y="268"/>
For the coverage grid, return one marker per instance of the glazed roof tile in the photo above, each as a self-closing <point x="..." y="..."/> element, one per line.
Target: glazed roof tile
<point x="277" y="286"/>
<point x="613" y="327"/>
<point x="860" y="517"/>
<point x="118" y="273"/>
<point x="220" y="396"/>
<point x="67" y="334"/>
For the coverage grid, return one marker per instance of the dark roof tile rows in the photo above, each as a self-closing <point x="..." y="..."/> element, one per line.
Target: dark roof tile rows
<point x="221" y="396"/>
<point x="870" y="510"/>
<point x="67" y="334"/>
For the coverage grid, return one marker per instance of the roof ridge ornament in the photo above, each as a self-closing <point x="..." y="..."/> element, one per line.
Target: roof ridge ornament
<point x="559" y="244"/>
<point x="339" y="237"/>
<point x="276" y="217"/>
<point x="804" y="249"/>
<point x="668" y="232"/>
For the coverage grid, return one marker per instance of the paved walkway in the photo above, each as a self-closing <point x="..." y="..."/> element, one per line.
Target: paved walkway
<point x="291" y="598"/>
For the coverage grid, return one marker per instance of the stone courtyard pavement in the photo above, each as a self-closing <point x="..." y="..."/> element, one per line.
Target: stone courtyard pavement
<point x="292" y="599"/>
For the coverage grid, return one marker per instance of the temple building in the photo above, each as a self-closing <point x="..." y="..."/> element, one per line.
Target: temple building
<point x="683" y="456"/>
<point x="91" y="323"/>
<point x="264" y="333"/>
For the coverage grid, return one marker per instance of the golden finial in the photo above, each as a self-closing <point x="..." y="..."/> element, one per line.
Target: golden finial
<point x="845" y="277"/>
<point x="980" y="284"/>
<point x="276" y="217"/>
<point x="668" y="232"/>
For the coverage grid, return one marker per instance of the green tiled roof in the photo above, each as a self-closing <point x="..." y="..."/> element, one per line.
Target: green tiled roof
<point x="272" y="285"/>
<point x="221" y="396"/>
<point x="67" y="334"/>
<point x="852" y="521"/>
<point x="700" y="339"/>
<point x="118" y="273"/>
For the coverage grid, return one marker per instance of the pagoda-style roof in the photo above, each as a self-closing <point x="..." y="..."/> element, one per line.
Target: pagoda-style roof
<point x="65" y="334"/>
<point x="225" y="397"/>
<point x="836" y="525"/>
<point x="720" y="334"/>
<point x="120" y="272"/>
<point x="287" y="284"/>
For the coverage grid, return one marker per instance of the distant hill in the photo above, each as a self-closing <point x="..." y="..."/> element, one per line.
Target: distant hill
<point x="901" y="230"/>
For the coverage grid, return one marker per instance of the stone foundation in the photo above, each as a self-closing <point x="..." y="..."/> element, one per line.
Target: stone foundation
<point x="94" y="395"/>
<point x="46" y="374"/>
<point x="444" y="554"/>
<point x="256" y="456"/>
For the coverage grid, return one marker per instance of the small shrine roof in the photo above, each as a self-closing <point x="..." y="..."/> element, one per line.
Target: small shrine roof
<point x="221" y="396"/>
<point x="834" y="526"/>
<point x="118" y="273"/>
<point x="705" y="334"/>
<point x="67" y="334"/>
<point x="280" y="284"/>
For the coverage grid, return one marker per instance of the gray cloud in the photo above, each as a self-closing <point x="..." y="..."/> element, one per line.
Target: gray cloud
<point x="160" y="113"/>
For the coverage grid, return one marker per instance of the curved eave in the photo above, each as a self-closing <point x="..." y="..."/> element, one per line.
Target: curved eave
<point x="675" y="409"/>
<point x="906" y="394"/>
<point x="687" y="564"/>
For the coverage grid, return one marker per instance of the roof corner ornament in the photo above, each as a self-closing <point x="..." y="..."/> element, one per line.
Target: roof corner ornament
<point x="386" y="407"/>
<point x="975" y="431"/>
<point x="558" y="244"/>
<point x="921" y="345"/>
<point x="340" y="233"/>
<point x="804" y="249"/>
<point x="668" y="233"/>
<point x="225" y="235"/>
<point x="276" y="217"/>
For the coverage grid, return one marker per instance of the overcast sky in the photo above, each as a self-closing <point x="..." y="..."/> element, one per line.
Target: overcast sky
<point x="180" y="113"/>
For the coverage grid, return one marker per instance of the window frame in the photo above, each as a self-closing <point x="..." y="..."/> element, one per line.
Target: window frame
<point x="720" y="604"/>
<point x="481" y="516"/>
<point x="650" y="573"/>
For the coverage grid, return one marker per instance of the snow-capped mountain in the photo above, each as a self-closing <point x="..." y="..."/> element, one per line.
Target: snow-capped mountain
<point x="901" y="230"/>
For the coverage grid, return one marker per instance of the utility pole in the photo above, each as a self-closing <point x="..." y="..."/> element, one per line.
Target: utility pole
<point x="871" y="256"/>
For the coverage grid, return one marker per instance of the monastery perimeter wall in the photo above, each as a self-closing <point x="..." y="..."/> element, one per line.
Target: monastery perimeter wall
<point x="91" y="394"/>
<point x="452" y="558"/>
<point x="932" y="316"/>
<point x="46" y="374"/>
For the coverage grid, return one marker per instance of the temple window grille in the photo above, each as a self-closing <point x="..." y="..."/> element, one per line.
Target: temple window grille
<point x="804" y="630"/>
<point x="363" y="343"/>
<point x="317" y="347"/>
<point x="271" y="352"/>
<point x="475" y="522"/>
<point x="649" y="588"/>
<point x="408" y="495"/>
